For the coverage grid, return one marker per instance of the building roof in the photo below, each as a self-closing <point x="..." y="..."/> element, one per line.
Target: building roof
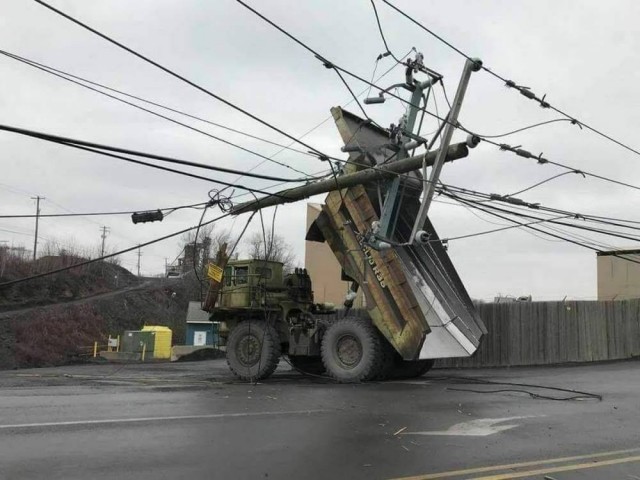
<point x="195" y="314"/>
<point x="634" y="251"/>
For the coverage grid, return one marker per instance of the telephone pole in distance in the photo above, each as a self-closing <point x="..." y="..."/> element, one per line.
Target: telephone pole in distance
<point x="35" y="240"/>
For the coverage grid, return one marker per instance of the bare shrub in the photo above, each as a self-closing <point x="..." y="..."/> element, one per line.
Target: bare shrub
<point x="56" y="336"/>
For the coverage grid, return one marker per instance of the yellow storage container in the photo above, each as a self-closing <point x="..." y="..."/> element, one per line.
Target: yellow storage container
<point x="162" y="343"/>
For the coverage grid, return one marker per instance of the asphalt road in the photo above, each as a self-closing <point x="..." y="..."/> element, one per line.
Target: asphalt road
<point x="192" y="420"/>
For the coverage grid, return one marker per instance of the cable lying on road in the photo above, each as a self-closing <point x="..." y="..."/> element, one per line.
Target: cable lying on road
<point x="533" y="395"/>
<point x="577" y="394"/>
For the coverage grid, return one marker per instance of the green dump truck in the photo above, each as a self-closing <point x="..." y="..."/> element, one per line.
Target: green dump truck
<point x="417" y="307"/>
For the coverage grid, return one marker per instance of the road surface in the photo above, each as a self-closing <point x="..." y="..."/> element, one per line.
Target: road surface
<point x="192" y="420"/>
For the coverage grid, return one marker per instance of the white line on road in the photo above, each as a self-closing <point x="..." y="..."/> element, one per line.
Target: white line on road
<point x="155" y="419"/>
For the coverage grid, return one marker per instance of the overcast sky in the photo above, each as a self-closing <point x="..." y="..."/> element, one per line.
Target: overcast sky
<point x="580" y="53"/>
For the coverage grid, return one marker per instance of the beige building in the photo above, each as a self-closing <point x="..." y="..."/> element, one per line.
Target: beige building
<point x="324" y="269"/>
<point x="618" y="274"/>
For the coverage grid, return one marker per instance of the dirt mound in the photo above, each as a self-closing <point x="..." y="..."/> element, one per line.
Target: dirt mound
<point x="88" y="280"/>
<point x="202" y="354"/>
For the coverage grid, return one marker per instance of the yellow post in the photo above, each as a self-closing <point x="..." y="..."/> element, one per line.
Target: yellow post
<point x="118" y="346"/>
<point x="95" y="349"/>
<point x="144" y="350"/>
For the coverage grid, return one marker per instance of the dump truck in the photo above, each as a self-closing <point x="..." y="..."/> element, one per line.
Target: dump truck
<point x="417" y="307"/>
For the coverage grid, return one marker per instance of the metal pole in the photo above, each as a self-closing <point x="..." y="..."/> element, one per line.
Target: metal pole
<point x="470" y="66"/>
<point x="35" y="240"/>
<point x="368" y="175"/>
<point x="139" y="255"/>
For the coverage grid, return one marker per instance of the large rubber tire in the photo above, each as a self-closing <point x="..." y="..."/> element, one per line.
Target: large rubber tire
<point x="387" y="361"/>
<point x="351" y="350"/>
<point x="310" y="365"/>
<point x="253" y="350"/>
<point x="411" y="369"/>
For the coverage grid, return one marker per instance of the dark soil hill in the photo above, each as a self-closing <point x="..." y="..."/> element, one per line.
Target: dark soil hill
<point x="65" y="286"/>
<point x="55" y="320"/>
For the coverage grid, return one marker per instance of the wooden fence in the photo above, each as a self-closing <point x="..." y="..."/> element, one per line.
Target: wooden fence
<point x="537" y="333"/>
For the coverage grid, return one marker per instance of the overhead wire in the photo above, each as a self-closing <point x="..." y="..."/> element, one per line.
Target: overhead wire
<point x="162" y="158"/>
<point x="89" y="214"/>
<point x="495" y="230"/>
<point x="525" y="91"/>
<point x="528" y="127"/>
<point x="105" y="257"/>
<point x="516" y="150"/>
<point x="307" y="48"/>
<point x="201" y="88"/>
<point x="179" y="77"/>
<point x="562" y="236"/>
<point x="314" y="150"/>
<point x="535" y="185"/>
<point x="64" y="75"/>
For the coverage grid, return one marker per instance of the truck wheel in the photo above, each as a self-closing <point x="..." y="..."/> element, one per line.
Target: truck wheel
<point x="412" y="369"/>
<point x="311" y="365"/>
<point x="253" y="350"/>
<point x="388" y="360"/>
<point x="351" y="350"/>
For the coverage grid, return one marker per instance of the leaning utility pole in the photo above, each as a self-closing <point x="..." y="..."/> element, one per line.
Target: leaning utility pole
<point x="35" y="240"/>
<point x="470" y="66"/>
<point x="139" y="255"/>
<point x="368" y="175"/>
<point x="105" y="231"/>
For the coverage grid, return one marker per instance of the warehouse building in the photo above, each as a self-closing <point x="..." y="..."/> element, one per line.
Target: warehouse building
<point x="618" y="274"/>
<point x="324" y="269"/>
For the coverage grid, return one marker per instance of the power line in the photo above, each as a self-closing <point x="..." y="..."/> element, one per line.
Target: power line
<point x="329" y="117"/>
<point x="525" y="91"/>
<point x="180" y="77"/>
<point x="528" y="127"/>
<point x="314" y="150"/>
<point x="543" y="182"/>
<point x="111" y="255"/>
<point x="516" y="150"/>
<point x="583" y="241"/>
<point x="384" y="40"/>
<point x="61" y="74"/>
<point x="495" y="230"/>
<point x="88" y="214"/>
<point x="96" y="147"/>
<point x="542" y="160"/>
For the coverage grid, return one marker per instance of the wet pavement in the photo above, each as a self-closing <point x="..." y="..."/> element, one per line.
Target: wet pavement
<point x="193" y="420"/>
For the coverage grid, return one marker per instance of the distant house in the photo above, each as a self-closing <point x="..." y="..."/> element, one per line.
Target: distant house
<point x="201" y="332"/>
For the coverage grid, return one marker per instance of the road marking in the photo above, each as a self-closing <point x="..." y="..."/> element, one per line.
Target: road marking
<point x="155" y="419"/>
<point x="564" y="468"/>
<point x="509" y="466"/>
<point x="476" y="428"/>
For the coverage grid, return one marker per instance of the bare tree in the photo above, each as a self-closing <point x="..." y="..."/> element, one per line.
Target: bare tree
<point x="209" y="242"/>
<point x="275" y="249"/>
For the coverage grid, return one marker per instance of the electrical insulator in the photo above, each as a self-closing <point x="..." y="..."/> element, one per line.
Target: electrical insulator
<point x="150" y="216"/>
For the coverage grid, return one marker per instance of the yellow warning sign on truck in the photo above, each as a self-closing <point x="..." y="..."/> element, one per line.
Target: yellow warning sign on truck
<point x="214" y="272"/>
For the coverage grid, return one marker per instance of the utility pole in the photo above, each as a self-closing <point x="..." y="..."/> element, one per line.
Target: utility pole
<point x="35" y="240"/>
<point x="4" y="253"/>
<point x="368" y="175"/>
<point x="470" y="66"/>
<point x="105" y="231"/>
<point x="139" y="255"/>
